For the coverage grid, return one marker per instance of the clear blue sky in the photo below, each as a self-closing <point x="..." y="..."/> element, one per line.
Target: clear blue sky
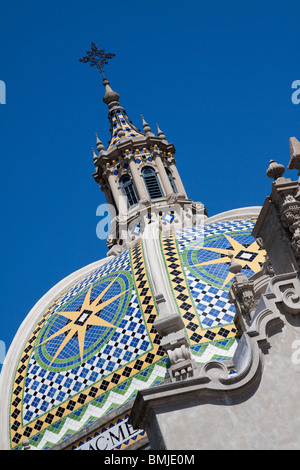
<point x="216" y="76"/>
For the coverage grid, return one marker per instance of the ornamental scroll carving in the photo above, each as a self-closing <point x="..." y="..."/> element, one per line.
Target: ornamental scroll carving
<point x="290" y="218"/>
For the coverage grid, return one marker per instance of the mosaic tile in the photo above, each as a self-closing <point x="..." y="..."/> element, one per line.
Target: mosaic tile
<point x="95" y="346"/>
<point x="115" y="435"/>
<point x="119" y="119"/>
<point x="61" y="380"/>
<point x="205" y="266"/>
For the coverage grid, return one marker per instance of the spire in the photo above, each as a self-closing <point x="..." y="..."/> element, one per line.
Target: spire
<point x="95" y="157"/>
<point x="121" y="127"/>
<point x="137" y="170"/>
<point x="99" y="144"/>
<point x="146" y="127"/>
<point x="160" y="133"/>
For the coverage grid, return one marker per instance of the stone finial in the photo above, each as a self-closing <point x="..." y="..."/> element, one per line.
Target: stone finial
<point x="95" y="156"/>
<point x="146" y="127"/>
<point x="235" y="267"/>
<point x="99" y="144"/>
<point x="160" y="133"/>
<point x="275" y="170"/>
<point x="294" y="162"/>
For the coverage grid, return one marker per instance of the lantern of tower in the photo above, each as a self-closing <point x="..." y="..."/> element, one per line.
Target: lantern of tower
<point x="138" y="174"/>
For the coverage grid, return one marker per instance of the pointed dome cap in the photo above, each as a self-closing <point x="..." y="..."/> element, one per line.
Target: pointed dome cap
<point x="110" y="95"/>
<point x="121" y="128"/>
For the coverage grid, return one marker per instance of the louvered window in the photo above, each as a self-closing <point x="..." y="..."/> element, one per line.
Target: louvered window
<point x="152" y="183"/>
<point x="128" y="190"/>
<point x="171" y="179"/>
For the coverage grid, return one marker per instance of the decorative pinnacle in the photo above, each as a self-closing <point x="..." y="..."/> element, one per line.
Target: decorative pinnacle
<point x="94" y="155"/>
<point x="146" y="127"/>
<point x="160" y="133"/>
<point x="99" y="144"/>
<point x="235" y="267"/>
<point x="275" y="170"/>
<point x="97" y="57"/>
<point x="110" y="95"/>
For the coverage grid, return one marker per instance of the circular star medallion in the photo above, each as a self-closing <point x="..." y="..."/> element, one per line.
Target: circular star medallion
<point x="72" y="335"/>
<point x="209" y="258"/>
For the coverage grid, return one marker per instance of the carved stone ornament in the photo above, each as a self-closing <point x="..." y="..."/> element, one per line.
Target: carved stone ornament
<point x="182" y="366"/>
<point x="243" y="290"/>
<point x="172" y="198"/>
<point x="116" y="250"/>
<point x="290" y="218"/>
<point x="275" y="170"/>
<point x="294" y="154"/>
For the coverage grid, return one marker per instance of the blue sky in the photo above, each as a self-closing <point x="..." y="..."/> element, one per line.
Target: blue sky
<point x="216" y="76"/>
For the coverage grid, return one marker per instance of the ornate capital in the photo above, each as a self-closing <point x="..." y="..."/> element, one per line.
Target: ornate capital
<point x="290" y="218"/>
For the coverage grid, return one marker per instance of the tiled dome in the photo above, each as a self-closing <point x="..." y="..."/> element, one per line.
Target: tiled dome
<point x="94" y="345"/>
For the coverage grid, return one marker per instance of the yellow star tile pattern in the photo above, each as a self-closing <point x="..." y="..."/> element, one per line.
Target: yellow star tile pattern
<point x="102" y="387"/>
<point x="184" y="298"/>
<point x="80" y="320"/>
<point x="240" y="253"/>
<point x="205" y="253"/>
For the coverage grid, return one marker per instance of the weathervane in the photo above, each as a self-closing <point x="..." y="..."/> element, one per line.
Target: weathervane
<point x="97" y="57"/>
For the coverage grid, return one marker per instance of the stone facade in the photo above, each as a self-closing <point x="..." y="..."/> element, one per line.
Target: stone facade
<point x="256" y="408"/>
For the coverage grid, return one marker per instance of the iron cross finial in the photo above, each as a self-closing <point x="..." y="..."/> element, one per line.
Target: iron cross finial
<point x="97" y="57"/>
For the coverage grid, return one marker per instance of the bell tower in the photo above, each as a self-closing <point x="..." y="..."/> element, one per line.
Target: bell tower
<point x="137" y="173"/>
<point x="139" y="178"/>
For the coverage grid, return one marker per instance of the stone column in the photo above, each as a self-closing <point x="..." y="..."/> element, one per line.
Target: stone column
<point x="177" y="178"/>
<point x="108" y="196"/>
<point x="169" y="323"/>
<point x="117" y="194"/>
<point x="137" y="179"/>
<point x="162" y="173"/>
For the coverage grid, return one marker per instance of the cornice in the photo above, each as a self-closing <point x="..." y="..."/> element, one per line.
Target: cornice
<point x="131" y="145"/>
